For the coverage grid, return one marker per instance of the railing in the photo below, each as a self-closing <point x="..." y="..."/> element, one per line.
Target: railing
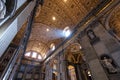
<point x="9" y="67"/>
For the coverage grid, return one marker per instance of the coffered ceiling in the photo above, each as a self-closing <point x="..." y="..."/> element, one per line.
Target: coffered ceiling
<point x="52" y="18"/>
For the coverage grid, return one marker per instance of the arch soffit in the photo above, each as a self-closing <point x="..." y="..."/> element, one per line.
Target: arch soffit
<point x="107" y="26"/>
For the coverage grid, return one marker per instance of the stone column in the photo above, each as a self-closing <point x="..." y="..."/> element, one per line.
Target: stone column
<point x="97" y="70"/>
<point x="58" y="68"/>
<point x="63" y="68"/>
<point x="78" y="72"/>
<point x="108" y="44"/>
<point x="40" y="72"/>
<point x="48" y="72"/>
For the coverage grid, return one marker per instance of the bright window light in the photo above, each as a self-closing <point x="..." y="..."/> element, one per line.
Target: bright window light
<point x="27" y="54"/>
<point x="39" y="57"/>
<point x="52" y="46"/>
<point x="47" y="30"/>
<point x="89" y="74"/>
<point x="80" y="47"/>
<point x="34" y="55"/>
<point x="44" y="56"/>
<point x="53" y="18"/>
<point x="65" y="0"/>
<point x="66" y="32"/>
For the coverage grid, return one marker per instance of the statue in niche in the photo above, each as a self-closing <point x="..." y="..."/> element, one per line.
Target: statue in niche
<point x="2" y="9"/>
<point x="93" y="38"/>
<point x="91" y="34"/>
<point x="108" y="64"/>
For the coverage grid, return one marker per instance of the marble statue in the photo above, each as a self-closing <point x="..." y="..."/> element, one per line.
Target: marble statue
<point x="2" y="9"/>
<point x="108" y="64"/>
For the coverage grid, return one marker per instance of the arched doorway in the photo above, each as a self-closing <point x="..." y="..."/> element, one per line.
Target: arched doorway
<point x="77" y="66"/>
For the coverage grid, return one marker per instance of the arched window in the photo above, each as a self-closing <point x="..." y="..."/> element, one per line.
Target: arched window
<point x="28" y="54"/>
<point x="39" y="57"/>
<point x="33" y="55"/>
